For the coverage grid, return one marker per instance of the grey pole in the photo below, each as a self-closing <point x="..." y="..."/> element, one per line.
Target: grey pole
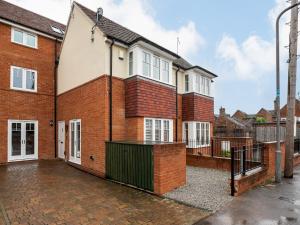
<point x="277" y="108"/>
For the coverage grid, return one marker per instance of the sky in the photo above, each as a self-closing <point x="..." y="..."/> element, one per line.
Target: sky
<point x="234" y="39"/>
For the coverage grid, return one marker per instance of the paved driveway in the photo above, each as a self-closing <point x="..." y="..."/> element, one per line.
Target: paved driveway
<point x="269" y="205"/>
<point x="51" y="192"/>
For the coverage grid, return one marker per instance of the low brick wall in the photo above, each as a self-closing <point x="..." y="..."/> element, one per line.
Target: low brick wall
<point x="296" y="159"/>
<point x="209" y="162"/>
<point x="169" y="167"/>
<point x="247" y="182"/>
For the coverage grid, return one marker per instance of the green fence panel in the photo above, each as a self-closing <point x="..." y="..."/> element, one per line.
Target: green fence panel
<point x="130" y="164"/>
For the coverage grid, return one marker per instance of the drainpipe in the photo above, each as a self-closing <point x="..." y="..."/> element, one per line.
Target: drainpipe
<point x="176" y="121"/>
<point x="55" y="98"/>
<point x="110" y="88"/>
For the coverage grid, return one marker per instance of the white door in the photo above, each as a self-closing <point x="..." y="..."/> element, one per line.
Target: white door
<point x="75" y="141"/>
<point x="61" y="139"/>
<point x="22" y="140"/>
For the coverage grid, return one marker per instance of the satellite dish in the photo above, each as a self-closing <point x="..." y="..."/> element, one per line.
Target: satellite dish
<point x="99" y="14"/>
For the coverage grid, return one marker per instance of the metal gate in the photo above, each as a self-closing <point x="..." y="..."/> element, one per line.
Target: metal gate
<point x="130" y="164"/>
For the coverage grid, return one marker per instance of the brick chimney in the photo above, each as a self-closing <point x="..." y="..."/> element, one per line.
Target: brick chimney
<point x="222" y="111"/>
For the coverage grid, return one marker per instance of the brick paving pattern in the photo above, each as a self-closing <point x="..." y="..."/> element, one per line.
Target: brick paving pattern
<point x="52" y="192"/>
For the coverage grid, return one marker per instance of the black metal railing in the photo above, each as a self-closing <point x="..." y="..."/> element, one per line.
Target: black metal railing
<point x="296" y="146"/>
<point x="245" y="159"/>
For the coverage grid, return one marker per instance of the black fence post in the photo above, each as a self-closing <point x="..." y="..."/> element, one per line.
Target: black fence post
<point x="244" y="161"/>
<point x="212" y="148"/>
<point x="232" y="171"/>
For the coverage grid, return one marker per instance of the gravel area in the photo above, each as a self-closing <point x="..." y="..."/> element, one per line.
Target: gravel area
<point x="206" y="188"/>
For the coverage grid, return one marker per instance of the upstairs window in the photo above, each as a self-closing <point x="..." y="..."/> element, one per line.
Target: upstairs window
<point x="24" y="38"/>
<point x="156" y="68"/>
<point x="146" y="64"/>
<point x="201" y="85"/>
<point x="23" y="79"/>
<point x="130" y="63"/>
<point x="165" y="71"/>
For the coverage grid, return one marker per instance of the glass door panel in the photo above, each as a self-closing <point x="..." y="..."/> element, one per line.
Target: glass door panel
<point x="16" y="139"/>
<point x="30" y="139"/>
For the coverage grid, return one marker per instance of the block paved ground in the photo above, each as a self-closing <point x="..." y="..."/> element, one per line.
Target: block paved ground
<point x="52" y="192"/>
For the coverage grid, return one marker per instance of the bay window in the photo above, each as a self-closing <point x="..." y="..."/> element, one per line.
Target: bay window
<point x="158" y="130"/>
<point x="196" y="134"/>
<point x="199" y="84"/>
<point x="23" y="79"/>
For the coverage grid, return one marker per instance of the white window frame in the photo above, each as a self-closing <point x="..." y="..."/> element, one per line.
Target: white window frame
<point x="24" y="70"/>
<point x="162" y="130"/>
<point x="192" y="134"/>
<point x="25" y="36"/>
<point x="198" y="83"/>
<point x="75" y="159"/>
<point x="155" y="57"/>
<point x="149" y="64"/>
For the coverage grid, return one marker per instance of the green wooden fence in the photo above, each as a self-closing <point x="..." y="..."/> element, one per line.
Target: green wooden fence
<point x="130" y="164"/>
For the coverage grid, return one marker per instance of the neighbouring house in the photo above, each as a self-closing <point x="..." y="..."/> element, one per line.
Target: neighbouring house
<point x="30" y="45"/>
<point x="264" y="115"/>
<point x="227" y="126"/>
<point x="116" y="86"/>
<point x="240" y="115"/>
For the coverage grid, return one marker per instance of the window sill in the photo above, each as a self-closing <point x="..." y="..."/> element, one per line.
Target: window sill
<point x="22" y="90"/>
<point x="26" y="46"/>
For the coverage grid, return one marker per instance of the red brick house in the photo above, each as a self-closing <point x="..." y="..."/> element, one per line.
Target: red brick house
<point x="156" y="95"/>
<point x="29" y="47"/>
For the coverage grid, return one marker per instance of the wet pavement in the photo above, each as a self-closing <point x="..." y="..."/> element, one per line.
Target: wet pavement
<point x="268" y="205"/>
<point x="51" y="192"/>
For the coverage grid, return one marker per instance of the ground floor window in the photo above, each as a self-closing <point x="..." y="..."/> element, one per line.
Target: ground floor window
<point x="196" y="134"/>
<point x="158" y="130"/>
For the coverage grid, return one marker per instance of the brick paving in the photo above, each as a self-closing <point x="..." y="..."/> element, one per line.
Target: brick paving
<point x="52" y="192"/>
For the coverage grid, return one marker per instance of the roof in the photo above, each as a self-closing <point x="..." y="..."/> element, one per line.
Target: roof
<point x="126" y="36"/>
<point x="26" y="18"/>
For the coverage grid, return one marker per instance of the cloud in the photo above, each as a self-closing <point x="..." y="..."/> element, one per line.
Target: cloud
<point x="254" y="57"/>
<point x="138" y="15"/>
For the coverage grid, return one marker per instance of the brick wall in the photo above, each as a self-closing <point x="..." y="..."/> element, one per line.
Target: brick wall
<point x="89" y="103"/>
<point x="169" y="167"/>
<point x="196" y="107"/>
<point x="24" y="105"/>
<point x="147" y="98"/>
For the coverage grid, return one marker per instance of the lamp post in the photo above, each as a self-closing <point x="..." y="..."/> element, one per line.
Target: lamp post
<point x="277" y="108"/>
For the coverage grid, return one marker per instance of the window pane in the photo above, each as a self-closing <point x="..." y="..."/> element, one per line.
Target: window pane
<point x="207" y="134"/>
<point x="148" y="130"/>
<point x="165" y="72"/>
<point x="202" y="86"/>
<point x="198" y="133"/>
<point x="202" y="134"/>
<point x="157" y="130"/>
<point x="17" y="78"/>
<point x="186" y="82"/>
<point x="30" y="139"/>
<point x="186" y="133"/>
<point x="146" y="64"/>
<point x="130" y="63"/>
<point x="18" y="36"/>
<point x="30" y="40"/>
<point x="156" y="67"/>
<point x="198" y="83"/>
<point x="16" y="139"/>
<point x="166" y="131"/>
<point x="30" y="80"/>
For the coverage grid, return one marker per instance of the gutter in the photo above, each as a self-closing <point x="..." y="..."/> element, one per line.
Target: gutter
<point x="110" y="88"/>
<point x="176" y="121"/>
